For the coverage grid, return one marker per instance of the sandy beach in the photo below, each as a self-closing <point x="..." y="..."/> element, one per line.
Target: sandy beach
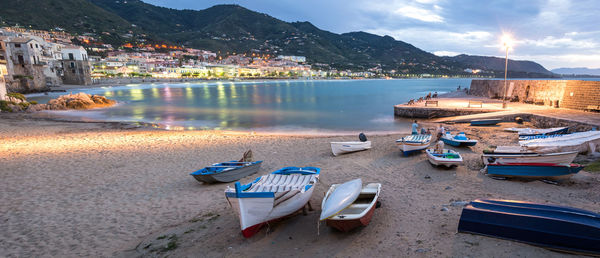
<point x="104" y="189"/>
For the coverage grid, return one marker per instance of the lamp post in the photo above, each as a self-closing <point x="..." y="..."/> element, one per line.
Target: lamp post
<point x="507" y="42"/>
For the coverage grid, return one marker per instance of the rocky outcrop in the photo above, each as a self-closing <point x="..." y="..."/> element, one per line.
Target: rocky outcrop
<point x="79" y="101"/>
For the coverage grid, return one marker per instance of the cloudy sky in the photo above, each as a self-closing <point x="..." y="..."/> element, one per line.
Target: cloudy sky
<point x="554" y="33"/>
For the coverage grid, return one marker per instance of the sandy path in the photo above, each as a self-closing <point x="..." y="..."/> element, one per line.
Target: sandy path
<point x="71" y="189"/>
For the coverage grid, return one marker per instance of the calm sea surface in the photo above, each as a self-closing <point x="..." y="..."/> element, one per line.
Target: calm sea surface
<point x="336" y="106"/>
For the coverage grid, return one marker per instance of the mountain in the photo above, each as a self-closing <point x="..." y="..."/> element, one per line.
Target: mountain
<point x="577" y="71"/>
<point x="515" y="68"/>
<point x="75" y="16"/>
<point x="229" y="29"/>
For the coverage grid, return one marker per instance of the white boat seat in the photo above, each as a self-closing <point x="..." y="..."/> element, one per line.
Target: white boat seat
<point x="359" y="206"/>
<point x="369" y="191"/>
<point x="281" y="183"/>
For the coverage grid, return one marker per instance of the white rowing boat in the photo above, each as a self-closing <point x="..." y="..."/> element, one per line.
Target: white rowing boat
<point x="414" y="142"/>
<point x="338" y="148"/>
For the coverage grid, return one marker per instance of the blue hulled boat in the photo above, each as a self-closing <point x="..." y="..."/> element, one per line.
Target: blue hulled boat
<point x="226" y="171"/>
<point x="533" y="170"/>
<point x="458" y="140"/>
<point x="483" y="122"/>
<point x="549" y="226"/>
<point x="548" y="131"/>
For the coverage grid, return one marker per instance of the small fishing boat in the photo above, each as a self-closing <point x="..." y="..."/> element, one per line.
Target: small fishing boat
<point x="449" y="158"/>
<point x="350" y="205"/>
<point x="548" y="131"/>
<point x="550" y="226"/>
<point x="458" y="140"/>
<point x="414" y="142"/>
<point x="529" y="157"/>
<point x="272" y="197"/>
<point x="338" y="148"/>
<point x="226" y="172"/>
<point x="534" y="131"/>
<point x="580" y="141"/>
<point x="542" y="136"/>
<point x="552" y="171"/>
<point x="484" y="122"/>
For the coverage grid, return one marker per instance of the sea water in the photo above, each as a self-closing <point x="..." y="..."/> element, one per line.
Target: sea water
<point x="292" y="106"/>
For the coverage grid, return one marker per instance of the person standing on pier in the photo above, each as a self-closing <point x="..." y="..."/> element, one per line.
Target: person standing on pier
<point x="415" y="128"/>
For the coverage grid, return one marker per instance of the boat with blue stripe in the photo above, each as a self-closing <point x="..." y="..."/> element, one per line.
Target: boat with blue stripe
<point x="272" y="197"/>
<point x="552" y="171"/>
<point x="550" y="226"/>
<point x="413" y="143"/>
<point x="458" y="140"/>
<point x="484" y="122"/>
<point x="226" y="171"/>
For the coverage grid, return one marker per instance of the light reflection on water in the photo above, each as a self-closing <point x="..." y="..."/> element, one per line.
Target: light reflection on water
<point x="328" y="106"/>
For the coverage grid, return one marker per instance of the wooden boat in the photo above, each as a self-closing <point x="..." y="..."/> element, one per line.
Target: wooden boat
<point x="338" y="148"/>
<point x="550" y="226"/>
<point x="484" y="122"/>
<point x="533" y="170"/>
<point x="414" y="142"/>
<point x="226" y="171"/>
<point x="548" y="131"/>
<point x="529" y="157"/>
<point x="534" y="131"/>
<point x="449" y="158"/>
<point x="347" y="207"/>
<point x="580" y="141"/>
<point x="533" y="137"/>
<point x="272" y="196"/>
<point x="458" y="140"/>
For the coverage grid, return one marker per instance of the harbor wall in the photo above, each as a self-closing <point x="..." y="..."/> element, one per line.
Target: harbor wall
<point x="573" y="94"/>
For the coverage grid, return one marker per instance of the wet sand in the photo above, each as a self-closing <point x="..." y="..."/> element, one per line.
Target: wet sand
<point x="102" y="189"/>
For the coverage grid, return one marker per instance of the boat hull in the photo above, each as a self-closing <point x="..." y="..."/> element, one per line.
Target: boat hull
<point x="562" y="130"/>
<point x="347" y="225"/>
<point x="440" y="161"/>
<point x="484" y="122"/>
<point x="533" y="170"/>
<point x="338" y="148"/>
<point x="554" y="227"/>
<point x="457" y="143"/>
<point x="561" y="158"/>
<point x="228" y="176"/>
<point x="408" y="146"/>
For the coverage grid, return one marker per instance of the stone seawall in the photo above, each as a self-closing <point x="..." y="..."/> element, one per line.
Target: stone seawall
<point x="425" y="112"/>
<point x="571" y="94"/>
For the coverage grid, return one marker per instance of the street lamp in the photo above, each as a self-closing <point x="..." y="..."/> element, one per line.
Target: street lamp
<point x="507" y="43"/>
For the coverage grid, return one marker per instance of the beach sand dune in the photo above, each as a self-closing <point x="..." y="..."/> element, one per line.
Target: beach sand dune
<point x="85" y="189"/>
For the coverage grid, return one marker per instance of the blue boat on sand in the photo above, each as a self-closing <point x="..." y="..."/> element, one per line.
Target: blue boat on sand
<point x="458" y="140"/>
<point x="554" y="227"/>
<point x="484" y="122"/>
<point x="226" y="172"/>
<point x="552" y="171"/>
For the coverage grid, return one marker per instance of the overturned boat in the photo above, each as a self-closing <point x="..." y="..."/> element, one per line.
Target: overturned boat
<point x="350" y="205"/>
<point x="551" y="171"/>
<point x="272" y="196"/>
<point x="549" y="226"/>
<point x="523" y="132"/>
<point x="485" y="122"/>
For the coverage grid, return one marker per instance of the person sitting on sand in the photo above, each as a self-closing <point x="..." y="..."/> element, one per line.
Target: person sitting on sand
<point x="423" y="130"/>
<point x="414" y="127"/>
<point x="439" y="148"/>
<point x="428" y="97"/>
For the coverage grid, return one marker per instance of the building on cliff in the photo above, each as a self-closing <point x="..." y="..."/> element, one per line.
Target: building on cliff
<point x="76" y="66"/>
<point x="24" y="65"/>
